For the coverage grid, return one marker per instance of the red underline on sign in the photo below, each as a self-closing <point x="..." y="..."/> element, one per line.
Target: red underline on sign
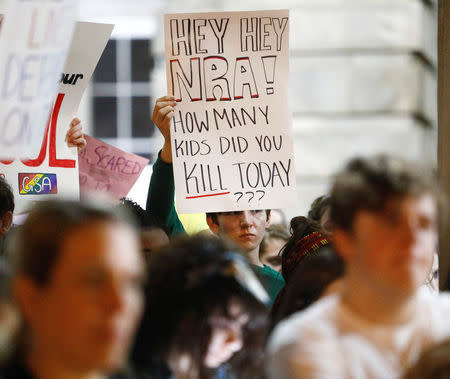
<point x="211" y="194"/>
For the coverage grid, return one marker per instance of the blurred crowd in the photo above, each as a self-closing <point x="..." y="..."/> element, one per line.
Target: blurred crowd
<point x="94" y="290"/>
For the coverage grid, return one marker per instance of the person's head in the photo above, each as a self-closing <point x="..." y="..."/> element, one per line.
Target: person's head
<point x="152" y="232"/>
<point x="320" y="212"/>
<point x="383" y="212"/>
<point x="78" y="284"/>
<point x="6" y="206"/>
<point x="203" y="304"/>
<point x="275" y="238"/>
<point x="295" y="248"/>
<point x="244" y="228"/>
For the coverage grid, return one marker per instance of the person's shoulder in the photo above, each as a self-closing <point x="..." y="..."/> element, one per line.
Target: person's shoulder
<point x="299" y="343"/>
<point x="271" y="280"/>
<point x="437" y="300"/>
<point x="436" y="307"/>
<point x="268" y="273"/>
<point x="439" y="306"/>
<point x="315" y="322"/>
<point x="159" y="163"/>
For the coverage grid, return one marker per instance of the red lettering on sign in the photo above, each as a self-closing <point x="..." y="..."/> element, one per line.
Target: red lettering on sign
<point x="53" y="161"/>
<point x="38" y="161"/>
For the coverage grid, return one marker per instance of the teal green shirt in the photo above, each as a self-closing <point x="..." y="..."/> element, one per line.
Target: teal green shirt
<point x="160" y="200"/>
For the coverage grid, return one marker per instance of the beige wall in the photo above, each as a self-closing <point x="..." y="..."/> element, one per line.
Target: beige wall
<point x="363" y="80"/>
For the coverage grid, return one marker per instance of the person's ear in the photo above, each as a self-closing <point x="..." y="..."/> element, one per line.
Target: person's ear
<point x="343" y="243"/>
<point x="212" y="225"/>
<point x="6" y="222"/>
<point x="25" y="293"/>
<point x="268" y="218"/>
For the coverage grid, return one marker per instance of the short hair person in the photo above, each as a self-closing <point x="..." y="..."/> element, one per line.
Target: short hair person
<point x="383" y="212"/>
<point x="270" y="251"/>
<point x="77" y="284"/>
<point x="244" y="228"/>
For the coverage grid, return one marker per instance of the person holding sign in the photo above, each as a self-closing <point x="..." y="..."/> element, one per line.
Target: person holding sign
<point x="244" y="228"/>
<point x="74" y="138"/>
<point x="231" y="132"/>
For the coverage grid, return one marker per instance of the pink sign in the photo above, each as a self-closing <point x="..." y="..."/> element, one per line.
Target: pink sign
<point x="104" y="168"/>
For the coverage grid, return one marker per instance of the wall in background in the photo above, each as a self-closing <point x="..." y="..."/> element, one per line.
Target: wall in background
<point x="363" y="79"/>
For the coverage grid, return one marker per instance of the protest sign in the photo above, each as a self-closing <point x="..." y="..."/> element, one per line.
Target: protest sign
<point x="105" y="168"/>
<point x="53" y="171"/>
<point x="231" y="132"/>
<point x="34" y="41"/>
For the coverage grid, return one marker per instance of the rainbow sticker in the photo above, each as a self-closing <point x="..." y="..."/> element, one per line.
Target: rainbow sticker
<point x="37" y="184"/>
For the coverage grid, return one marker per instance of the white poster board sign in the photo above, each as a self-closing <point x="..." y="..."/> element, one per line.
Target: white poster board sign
<point x="231" y="134"/>
<point x="53" y="172"/>
<point x="34" y="40"/>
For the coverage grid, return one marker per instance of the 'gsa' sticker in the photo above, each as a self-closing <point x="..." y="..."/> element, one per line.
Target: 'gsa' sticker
<point x="37" y="184"/>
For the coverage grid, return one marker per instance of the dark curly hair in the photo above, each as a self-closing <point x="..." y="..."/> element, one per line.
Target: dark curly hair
<point x="187" y="282"/>
<point x="6" y="197"/>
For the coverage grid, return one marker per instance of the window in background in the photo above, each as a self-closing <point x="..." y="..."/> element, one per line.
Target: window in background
<point x="121" y="96"/>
